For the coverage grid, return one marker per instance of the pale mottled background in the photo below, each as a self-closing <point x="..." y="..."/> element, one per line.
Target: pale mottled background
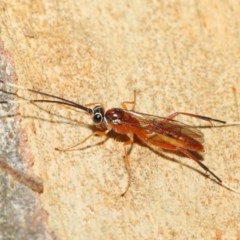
<point x="179" y="56"/>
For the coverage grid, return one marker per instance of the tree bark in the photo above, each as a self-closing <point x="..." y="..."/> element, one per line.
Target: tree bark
<point x="178" y="56"/>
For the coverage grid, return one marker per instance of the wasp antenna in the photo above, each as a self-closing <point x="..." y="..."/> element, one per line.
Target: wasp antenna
<point x="15" y="101"/>
<point x="13" y="85"/>
<point x="59" y="100"/>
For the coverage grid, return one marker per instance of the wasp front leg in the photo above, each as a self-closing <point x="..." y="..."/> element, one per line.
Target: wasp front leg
<point x="73" y="147"/>
<point x="124" y="104"/>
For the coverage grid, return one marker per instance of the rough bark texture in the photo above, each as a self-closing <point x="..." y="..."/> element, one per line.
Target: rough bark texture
<point x="179" y="56"/>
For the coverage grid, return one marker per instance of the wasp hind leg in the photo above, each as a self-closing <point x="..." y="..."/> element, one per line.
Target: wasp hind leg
<point x="217" y="179"/>
<point x="173" y="115"/>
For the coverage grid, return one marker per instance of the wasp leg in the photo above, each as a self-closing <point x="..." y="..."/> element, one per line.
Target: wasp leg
<point x="173" y="115"/>
<point x="124" y="104"/>
<point x="73" y="147"/>
<point x="127" y="162"/>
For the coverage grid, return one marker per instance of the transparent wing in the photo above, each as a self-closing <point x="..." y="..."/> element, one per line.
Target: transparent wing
<point x="165" y="126"/>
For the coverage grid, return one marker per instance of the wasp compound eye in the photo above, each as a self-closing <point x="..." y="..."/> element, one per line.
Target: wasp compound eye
<point x="98" y="115"/>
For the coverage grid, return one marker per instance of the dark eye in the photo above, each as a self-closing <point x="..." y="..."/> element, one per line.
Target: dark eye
<point x="98" y="115"/>
<point x="97" y="118"/>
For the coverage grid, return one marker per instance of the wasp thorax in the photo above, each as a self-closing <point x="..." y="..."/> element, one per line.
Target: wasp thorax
<point x="114" y="115"/>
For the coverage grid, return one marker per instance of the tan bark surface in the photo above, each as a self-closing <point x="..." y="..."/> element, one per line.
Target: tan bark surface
<point x="179" y="56"/>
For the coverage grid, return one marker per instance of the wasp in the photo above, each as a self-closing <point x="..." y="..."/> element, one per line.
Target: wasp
<point x="163" y="132"/>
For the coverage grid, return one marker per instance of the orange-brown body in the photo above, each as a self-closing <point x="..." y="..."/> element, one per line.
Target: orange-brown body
<point x="162" y="132"/>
